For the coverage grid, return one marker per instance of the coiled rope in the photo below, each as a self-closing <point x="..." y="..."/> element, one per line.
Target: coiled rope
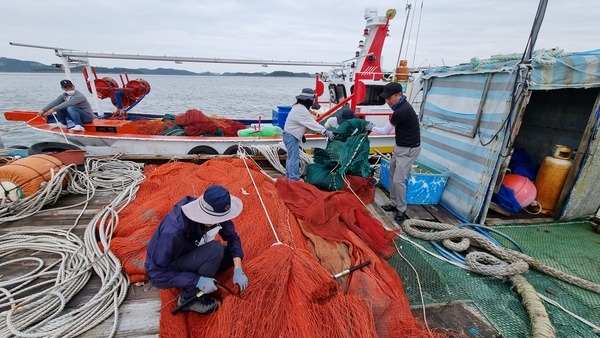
<point x="271" y="153"/>
<point x="448" y="233"/>
<point x="43" y="314"/>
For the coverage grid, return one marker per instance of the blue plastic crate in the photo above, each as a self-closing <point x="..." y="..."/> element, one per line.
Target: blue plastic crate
<point x="280" y="114"/>
<point x="423" y="186"/>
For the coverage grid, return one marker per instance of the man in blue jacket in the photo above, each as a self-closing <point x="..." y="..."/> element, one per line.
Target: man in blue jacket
<point x="183" y="253"/>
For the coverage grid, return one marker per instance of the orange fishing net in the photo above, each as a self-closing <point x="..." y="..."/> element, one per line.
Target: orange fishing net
<point x="152" y="127"/>
<point x="291" y="252"/>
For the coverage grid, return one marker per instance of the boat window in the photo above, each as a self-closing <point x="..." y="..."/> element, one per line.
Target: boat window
<point x="457" y="103"/>
<point x="372" y="95"/>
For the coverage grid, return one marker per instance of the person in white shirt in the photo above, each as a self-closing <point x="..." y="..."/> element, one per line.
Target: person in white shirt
<point x="336" y="121"/>
<point x="298" y="119"/>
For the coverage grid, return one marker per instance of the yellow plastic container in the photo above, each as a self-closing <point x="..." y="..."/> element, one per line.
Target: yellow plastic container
<point x="551" y="178"/>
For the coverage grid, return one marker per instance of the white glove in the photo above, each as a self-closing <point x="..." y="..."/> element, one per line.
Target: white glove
<point x="329" y="135"/>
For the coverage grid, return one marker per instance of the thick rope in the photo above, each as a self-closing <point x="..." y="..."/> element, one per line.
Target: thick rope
<point x="43" y="314"/>
<point x="541" y="326"/>
<point x="449" y="232"/>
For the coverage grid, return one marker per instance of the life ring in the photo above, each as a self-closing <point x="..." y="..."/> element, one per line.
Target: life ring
<point x="203" y="150"/>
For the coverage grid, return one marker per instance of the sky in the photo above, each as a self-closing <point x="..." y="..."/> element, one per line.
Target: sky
<point x="439" y="32"/>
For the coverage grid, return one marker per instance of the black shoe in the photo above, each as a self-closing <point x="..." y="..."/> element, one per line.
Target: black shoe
<point x="204" y="304"/>
<point x="400" y="216"/>
<point x="389" y="207"/>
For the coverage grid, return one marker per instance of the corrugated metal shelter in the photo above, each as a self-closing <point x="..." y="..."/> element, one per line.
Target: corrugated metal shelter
<point x="473" y="117"/>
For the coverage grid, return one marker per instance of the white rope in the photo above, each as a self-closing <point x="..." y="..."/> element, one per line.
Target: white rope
<point x="243" y="155"/>
<point x="271" y="153"/>
<point x="42" y="314"/>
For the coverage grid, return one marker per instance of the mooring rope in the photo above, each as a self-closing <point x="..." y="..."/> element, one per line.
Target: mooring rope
<point x="448" y="233"/>
<point x="43" y="314"/>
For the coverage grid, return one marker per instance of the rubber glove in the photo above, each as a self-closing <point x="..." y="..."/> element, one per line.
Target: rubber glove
<point x="329" y="135"/>
<point x="239" y="278"/>
<point x="369" y="127"/>
<point x="206" y="284"/>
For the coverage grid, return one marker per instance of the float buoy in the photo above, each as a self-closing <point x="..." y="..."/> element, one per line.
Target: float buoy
<point x="524" y="189"/>
<point x="23" y="177"/>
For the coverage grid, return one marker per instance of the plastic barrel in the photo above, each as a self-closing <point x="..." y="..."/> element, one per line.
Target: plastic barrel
<point x="23" y="177"/>
<point x="550" y="180"/>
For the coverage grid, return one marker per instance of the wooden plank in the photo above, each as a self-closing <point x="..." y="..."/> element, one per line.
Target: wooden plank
<point x="441" y="215"/>
<point x="419" y="212"/>
<point x="137" y="319"/>
<point x="457" y="316"/>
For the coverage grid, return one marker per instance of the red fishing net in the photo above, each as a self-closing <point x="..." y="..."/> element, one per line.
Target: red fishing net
<point x="195" y="123"/>
<point x="295" y="237"/>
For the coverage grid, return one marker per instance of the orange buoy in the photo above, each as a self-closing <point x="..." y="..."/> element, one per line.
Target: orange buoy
<point x="524" y="190"/>
<point x="551" y="178"/>
<point x="25" y="176"/>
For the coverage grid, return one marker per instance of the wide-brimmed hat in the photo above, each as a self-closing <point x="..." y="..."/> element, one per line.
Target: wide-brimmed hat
<point x="346" y="115"/>
<point x="391" y="89"/>
<point x="65" y="83"/>
<point x="307" y="94"/>
<point x="214" y="206"/>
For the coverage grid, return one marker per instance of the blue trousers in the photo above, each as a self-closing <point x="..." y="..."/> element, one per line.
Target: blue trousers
<point x="206" y="260"/>
<point x="75" y="114"/>
<point x="292" y="163"/>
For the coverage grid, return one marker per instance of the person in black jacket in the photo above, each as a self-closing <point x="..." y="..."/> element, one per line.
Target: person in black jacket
<point x="405" y="123"/>
<point x="183" y="253"/>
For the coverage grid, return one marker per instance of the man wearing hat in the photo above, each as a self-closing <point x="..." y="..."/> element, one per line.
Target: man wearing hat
<point x="299" y="118"/>
<point x="70" y="105"/>
<point x="336" y="121"/>
<point x="183" y="253"/>
<point x="405" y="123"/>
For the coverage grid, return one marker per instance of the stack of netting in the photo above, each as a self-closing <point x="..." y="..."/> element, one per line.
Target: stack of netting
<point x="292" y="248"/>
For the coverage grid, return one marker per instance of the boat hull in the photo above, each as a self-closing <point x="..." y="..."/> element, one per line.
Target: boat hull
<point x="112" y="137"/>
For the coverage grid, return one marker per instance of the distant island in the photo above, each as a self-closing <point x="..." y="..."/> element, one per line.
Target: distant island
<point x="20" y="66"/>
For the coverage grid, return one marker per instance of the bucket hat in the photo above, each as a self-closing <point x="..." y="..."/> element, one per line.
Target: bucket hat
<point x="307" y="94"/>
<point x="214" y="206"/>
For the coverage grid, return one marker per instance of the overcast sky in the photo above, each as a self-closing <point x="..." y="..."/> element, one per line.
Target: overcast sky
<point x="449" y="31"/>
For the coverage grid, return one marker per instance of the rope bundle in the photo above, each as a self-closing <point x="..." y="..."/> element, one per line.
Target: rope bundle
<point x="43" y="314"/>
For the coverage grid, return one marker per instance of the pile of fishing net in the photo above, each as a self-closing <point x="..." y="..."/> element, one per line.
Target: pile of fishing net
<point x="295" y="237"/>
<point x="348" y="154"/>
<point x="195" y="123"/>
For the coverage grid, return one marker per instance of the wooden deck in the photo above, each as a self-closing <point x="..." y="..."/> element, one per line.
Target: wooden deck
<point x="139" y="313"/>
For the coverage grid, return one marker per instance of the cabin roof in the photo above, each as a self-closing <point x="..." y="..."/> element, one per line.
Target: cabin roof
<point x="551" y="69"/>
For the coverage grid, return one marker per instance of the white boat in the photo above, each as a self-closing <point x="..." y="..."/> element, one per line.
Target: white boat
<point x="356" y="82"/>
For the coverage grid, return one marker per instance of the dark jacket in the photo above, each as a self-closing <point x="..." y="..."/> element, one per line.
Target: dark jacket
<point x="175" y="236"/>
<point x="406" y="122"/>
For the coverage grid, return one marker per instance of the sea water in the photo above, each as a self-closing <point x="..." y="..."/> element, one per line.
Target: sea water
<point x="223" y="96"/>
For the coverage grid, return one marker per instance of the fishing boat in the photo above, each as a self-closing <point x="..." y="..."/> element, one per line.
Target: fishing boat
<point x="356" y="82"/>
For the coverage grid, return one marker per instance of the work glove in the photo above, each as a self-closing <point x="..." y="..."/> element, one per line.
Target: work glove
<point x="329" y="135"/>
<point x="239" y="278"/>
<point x="206" y="284"/>
<point x="369" y="127"/>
